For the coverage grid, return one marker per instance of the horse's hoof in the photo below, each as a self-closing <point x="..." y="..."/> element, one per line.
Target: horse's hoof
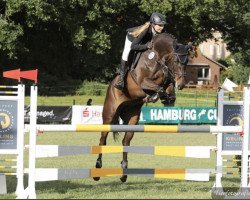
<point x="124" y="178"/>
<point x="96" y="178"/>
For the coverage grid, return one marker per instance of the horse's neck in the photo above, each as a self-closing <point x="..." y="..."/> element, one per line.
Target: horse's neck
<point x="134" y="89"/>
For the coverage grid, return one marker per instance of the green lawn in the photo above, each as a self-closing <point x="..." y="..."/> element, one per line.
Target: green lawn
<point x="186" y="97"/>
<point x="135" y="187"/>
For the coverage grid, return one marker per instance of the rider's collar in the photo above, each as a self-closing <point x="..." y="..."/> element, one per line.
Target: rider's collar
<point x="153" y="31"/>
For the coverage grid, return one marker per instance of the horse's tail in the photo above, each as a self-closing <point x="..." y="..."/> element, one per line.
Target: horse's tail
<point x="116" y="134"/>
<point x="115" y="120"/>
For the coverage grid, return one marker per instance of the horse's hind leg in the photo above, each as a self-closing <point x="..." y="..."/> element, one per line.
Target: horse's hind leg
<point x="103" y="141"/>
<point x="108" y="116"/>
<point x="131" y="117"/>
<point x="124" y="164"/>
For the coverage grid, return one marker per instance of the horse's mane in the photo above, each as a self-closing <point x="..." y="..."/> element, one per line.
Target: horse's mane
<point x="170" y="35"/>
<point x="164" y="43"/>
<point x="167" y="35"/>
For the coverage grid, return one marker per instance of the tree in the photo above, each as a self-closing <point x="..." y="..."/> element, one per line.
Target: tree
<point x="238" y="69"/>
<point x="75" y="39"/>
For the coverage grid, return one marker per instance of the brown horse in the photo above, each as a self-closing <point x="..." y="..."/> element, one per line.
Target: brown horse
<point x="157" y="72"/>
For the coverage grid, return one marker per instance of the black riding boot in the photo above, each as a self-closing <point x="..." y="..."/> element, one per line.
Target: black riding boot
<point x="123" y="70"/>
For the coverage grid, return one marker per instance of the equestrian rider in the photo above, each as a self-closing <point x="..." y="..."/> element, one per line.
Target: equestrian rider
<point x="139" y="39"/>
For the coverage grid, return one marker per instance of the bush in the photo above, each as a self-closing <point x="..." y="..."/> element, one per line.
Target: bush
<point x="92" y="88"/>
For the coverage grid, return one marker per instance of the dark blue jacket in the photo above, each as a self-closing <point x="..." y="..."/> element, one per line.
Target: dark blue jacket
<point x="139" y="43"/>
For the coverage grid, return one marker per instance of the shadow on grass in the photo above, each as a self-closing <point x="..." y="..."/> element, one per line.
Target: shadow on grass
<point x="114" y="185"/>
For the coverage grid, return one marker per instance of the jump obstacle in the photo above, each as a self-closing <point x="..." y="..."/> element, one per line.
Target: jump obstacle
<point x="47" y="174"/>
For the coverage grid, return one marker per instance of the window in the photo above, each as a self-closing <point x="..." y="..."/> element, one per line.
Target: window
<point x="202" y="48"/>
<point x="204" y="73"/>
<point x="211" y="49"/>
<point x="218" y="49"/>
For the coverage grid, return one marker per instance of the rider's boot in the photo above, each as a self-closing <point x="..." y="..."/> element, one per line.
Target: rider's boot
<point x="123" y="70"/>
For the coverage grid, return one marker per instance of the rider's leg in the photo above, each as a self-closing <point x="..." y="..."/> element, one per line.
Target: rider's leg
<point x="123" y="70"/>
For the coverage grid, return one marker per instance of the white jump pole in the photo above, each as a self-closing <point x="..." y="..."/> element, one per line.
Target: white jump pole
<point x="20" y="141"/>
<point x="219" y="161"/>
<point x="32" y="152"/>
<point x="245" y="145"/>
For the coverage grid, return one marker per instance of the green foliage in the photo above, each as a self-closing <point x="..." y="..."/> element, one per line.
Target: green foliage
<point x="92" y="89"/>
<point x="238" y="68"/>
<point x="9" y="37"/>
<point x="75" y="39"/>
<point x="236" y="73"/>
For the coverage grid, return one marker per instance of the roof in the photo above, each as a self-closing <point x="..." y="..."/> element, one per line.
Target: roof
<point x="200" y="54"/>
<point x="222" y="66"/>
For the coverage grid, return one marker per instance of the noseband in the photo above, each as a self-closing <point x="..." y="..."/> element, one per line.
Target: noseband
<point x="172" y="73"/>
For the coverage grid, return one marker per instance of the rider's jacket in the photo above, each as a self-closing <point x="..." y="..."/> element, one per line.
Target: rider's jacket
<point x="139" y="43"/>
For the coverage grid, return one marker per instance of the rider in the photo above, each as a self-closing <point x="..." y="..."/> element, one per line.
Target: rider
<point x="139" y="39"/>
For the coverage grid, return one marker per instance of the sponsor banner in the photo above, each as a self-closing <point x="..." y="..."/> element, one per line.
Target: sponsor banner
<point x="151" y="115"/>
<point x="51" y="114"/>
<point x="232" y="116"/>
<point x="86" y="115"/>
<point x="178" y="115"/>
<point x="8" y="124"/>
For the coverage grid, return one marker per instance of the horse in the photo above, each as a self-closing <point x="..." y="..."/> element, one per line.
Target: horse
<point x="156" y="74"/>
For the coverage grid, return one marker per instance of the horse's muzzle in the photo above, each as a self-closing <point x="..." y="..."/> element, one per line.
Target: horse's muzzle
<point x="180" y="86"/>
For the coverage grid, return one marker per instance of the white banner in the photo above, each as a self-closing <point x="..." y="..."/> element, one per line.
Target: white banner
<point x="86" y="115"/>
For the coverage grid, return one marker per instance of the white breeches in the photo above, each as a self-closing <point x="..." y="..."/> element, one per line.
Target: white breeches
<point x="126" y="49"/>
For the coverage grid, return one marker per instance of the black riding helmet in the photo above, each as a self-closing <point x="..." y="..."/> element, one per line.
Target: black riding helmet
<point x="158" y="18"/>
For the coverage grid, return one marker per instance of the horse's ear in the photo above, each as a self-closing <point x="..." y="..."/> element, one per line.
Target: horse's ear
<point x="193" y="51"/>
<point x="189" y="46"/>
<point x="175" y="44"/>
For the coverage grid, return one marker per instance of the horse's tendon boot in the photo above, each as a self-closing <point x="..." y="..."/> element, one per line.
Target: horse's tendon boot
<point x="124" y="165"/>
<point x="98" y="165"/>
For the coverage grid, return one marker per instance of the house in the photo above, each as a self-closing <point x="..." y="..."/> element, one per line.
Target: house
<point x="204" y="69"/>
<point x="215" y="48"/>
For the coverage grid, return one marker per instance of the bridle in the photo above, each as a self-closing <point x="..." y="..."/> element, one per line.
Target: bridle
<point x="172" y="73"/>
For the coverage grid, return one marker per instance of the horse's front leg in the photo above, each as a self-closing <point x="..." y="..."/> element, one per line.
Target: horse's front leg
<point x="103" y="141"/>
<point x="170" y="97"/>
<point x="148" y="84"/>
<point x="124" y="164"/>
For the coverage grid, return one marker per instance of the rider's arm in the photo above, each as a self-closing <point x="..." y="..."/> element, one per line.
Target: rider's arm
<point x="136" y="44"/>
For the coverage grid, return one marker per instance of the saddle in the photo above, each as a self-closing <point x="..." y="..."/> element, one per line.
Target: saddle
<point x="133" y="59"/>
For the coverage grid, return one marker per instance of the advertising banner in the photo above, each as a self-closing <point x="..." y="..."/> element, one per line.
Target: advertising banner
<point x="51" y="114"/>
<point x="151" y="115"/>
<point x="87" y="115"/>
<point x="8" y="124"/>
<point x="232" y="116"/>
<point x="178" y="115"/>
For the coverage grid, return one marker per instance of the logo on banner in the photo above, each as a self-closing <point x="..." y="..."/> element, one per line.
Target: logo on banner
<point x="202" y="112"/>
<point x="86" y="112"/>
<point x="6" y="120"/>
<point x="233" y="116"/>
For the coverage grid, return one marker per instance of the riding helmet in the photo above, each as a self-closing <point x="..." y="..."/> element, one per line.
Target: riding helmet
<point x="158" y="18"/>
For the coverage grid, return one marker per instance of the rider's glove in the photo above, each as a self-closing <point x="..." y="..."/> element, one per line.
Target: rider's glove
<point x="149" y="45"/>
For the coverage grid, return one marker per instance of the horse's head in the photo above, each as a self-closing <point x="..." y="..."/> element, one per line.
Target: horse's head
<point x="174" y="56"/>
<point x="182" y="54"/>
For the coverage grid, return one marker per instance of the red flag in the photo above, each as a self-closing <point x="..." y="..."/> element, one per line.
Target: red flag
<point x="14" y="74"/>
<point x="30" y="74"/>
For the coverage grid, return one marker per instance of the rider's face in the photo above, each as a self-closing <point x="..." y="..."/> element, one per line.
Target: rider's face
<point x="158" y="28"/>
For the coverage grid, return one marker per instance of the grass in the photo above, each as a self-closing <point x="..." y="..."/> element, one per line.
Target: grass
<point x="185" y="97"/>
<point x="135" y="187"/>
